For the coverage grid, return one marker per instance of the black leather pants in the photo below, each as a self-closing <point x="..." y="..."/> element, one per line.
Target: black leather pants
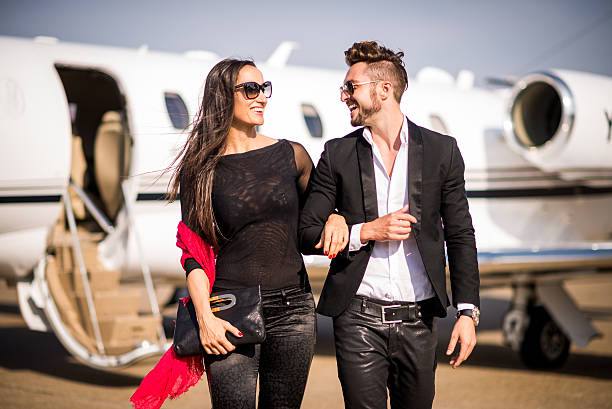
<point x="373" y="356"/>
<point x="282" y="362"/>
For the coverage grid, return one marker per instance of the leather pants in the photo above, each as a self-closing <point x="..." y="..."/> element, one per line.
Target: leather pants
<point x="373" y="357"/>
<point x="281" y="362"/>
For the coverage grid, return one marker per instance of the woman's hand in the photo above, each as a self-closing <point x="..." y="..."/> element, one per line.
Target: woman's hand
<point x="212" y="329"/>
<point x="212" y="335"/>
<point x="335" y="236"/>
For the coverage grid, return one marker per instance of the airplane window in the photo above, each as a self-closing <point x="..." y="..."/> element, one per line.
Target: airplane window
<point x="313" y="120"/>
<point x="177" y="110"/>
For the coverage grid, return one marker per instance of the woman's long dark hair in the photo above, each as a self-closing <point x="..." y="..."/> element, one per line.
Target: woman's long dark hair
<point x="206" y="143"/>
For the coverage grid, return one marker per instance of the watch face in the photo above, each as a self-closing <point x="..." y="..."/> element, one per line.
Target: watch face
<point x="476" y="315"/>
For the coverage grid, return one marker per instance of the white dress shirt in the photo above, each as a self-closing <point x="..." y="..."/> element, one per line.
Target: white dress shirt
<point x="395" y="271"/>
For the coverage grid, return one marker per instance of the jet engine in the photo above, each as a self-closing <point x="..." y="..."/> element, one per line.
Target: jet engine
<point x="561" y="122"/>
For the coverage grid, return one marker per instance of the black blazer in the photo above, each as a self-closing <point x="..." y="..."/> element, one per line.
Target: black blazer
<point x="344" y="181"/>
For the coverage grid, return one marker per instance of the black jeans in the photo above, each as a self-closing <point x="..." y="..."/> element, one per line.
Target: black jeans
<point x="373" y="356"/>
<point x="282" y="362"/>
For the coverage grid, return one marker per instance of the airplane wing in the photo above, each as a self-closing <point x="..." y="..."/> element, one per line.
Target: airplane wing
<point x="597" y="254"/>
<point x="504" y="266"/>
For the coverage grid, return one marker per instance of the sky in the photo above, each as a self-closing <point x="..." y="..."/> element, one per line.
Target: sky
<point x="491" y="38"/>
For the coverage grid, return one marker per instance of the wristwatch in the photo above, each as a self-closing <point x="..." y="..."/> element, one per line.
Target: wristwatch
<point x="474" y="314"/>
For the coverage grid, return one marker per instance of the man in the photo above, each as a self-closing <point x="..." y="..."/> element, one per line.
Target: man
<point x="401" y="189"/>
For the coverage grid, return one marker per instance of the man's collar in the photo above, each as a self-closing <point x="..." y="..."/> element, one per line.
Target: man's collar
<point x="367" y="134"/>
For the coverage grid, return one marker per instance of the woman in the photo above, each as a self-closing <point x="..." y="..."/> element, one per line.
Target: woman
<point x="241" y="192"/>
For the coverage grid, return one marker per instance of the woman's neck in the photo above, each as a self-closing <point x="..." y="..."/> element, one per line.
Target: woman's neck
<point x="241" y="139"/>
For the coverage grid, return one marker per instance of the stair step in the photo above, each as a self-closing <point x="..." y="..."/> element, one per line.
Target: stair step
<point x="129" y="329"/>
<point x="98" y="281"/>
<point x="111" y="303"/>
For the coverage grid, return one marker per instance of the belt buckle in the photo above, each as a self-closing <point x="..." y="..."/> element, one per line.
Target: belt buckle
<point x="384" y="315"/>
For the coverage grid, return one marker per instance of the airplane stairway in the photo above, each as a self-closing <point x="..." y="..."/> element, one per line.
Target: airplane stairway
<point x="123" y="322"/>
<point x="99" y="318"/>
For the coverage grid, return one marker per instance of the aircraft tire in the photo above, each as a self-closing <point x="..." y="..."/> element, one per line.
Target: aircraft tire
<point x="544" y="346"/>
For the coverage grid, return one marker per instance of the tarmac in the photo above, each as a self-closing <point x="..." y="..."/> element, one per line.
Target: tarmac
<point x="36" y="371"/>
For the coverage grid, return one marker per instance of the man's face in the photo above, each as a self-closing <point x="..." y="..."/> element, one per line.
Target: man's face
<point x="364" y="103"/>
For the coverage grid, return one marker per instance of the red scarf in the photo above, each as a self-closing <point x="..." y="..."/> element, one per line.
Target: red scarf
<point x="174" y="375"/>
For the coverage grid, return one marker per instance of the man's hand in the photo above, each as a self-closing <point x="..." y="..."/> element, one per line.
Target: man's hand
<point x="334" y="237"/>
<point x="464" y="332"/>
<point x="393" y="226"/>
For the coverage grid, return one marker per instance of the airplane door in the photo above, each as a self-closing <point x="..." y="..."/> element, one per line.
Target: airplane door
<point x="35" y="134"/>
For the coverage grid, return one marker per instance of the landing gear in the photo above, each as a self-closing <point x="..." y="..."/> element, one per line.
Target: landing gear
<point x="529" y="329"/>
<point x="544" y="345"/>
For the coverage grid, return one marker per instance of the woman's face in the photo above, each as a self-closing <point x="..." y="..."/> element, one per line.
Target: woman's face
<point x="249" y="112"/>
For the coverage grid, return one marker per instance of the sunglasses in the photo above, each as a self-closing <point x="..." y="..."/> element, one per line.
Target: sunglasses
<point x="349" y="86"/>
<point x="252" y="89"/>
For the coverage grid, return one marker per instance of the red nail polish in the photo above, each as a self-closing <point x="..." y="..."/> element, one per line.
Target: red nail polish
<point x="240" y="333"/>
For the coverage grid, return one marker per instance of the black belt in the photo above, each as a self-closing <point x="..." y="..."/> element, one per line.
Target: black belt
<point x="391" y="312"/>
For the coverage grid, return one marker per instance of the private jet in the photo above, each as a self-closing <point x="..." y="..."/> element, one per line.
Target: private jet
<point x="88" y="132"/>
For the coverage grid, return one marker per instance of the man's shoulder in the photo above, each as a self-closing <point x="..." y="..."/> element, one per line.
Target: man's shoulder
<point x="344" y="141"/>
<point x="431" y="136"/>
<point x="352" y="135"/>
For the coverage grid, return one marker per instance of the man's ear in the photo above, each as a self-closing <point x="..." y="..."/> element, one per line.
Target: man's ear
<point x="387" y="90"/>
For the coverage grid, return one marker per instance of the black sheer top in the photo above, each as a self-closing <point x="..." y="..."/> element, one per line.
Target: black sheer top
<point x="257" y="196"/>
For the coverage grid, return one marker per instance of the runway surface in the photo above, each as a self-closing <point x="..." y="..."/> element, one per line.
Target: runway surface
<point x="36" y="372"/>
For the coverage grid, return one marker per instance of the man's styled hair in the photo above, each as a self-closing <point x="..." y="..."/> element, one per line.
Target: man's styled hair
<point x="383" y="64"/>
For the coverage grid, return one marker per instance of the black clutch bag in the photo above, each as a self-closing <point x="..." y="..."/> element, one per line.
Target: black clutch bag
<point x="241" y="308"/>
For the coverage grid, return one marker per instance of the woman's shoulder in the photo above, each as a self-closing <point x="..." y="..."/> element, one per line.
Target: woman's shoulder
<point x="297" y="147"/>
<point x="300" y="156"/>
<point x="266" y="140"/>
<point x="299" y="151"/>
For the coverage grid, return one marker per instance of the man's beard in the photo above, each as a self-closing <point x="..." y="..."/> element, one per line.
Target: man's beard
<point x="365" y="114"/>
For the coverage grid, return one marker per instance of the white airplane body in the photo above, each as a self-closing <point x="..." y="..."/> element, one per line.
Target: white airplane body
<point x="538" y="168"/>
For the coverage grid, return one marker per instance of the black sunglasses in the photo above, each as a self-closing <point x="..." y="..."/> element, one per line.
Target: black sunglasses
<point x="349" y="86"/>
<point x="252" y="89"/>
